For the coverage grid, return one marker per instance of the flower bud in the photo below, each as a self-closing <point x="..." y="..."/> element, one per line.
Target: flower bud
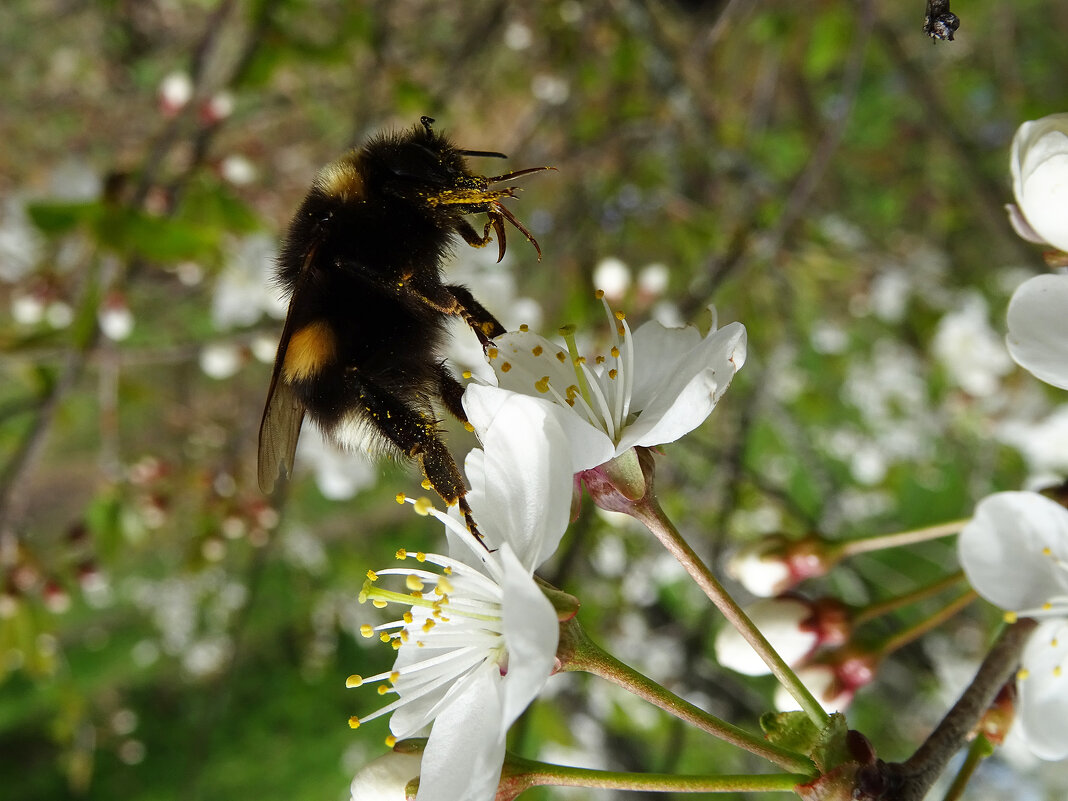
<point x="175" y="91"/>
<point x="1039" y="164"/>
<point x="772" y="565"/>
<point x="385" y="778"/>
<point x="795" y="627"/>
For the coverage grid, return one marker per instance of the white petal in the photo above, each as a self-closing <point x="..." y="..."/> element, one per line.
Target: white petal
<point x="1020" y="225"/>
<point x="687" y="388"/>
<point x="385" y="778"/>
<point x="658" y="352"/>
<point x="1038" y="328"/>
<point x="521" y="486"/>
<point x="590" y="445"/>
<point x="1001" y="549"/>
<point x="531" y="634"/>
<point x="1043" y="700"/>
<point x="465" y="752"/>
<point x="1045" y="199"/>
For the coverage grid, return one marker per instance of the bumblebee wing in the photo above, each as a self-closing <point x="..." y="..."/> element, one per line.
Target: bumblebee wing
<point x="279" y="430"/>
<point x="284" y="412"/>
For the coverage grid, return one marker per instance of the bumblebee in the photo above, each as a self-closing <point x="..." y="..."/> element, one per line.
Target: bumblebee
<point x="362" y="266"/>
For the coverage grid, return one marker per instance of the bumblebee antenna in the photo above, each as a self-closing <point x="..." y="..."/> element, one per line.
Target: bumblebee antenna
<point x="488" y="154"/>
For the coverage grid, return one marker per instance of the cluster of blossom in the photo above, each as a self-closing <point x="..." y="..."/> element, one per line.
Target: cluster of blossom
<point x="478" y="637"/>
<point x="1015" y="549"/>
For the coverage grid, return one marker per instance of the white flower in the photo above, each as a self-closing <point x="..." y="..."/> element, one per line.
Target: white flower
<point x="338" y="474"/>
<point x="969" y="350"/>
<point x="1015" y="554"/>
<point x="1039" y="164"/>
<point x="479" y="640"/>
<point x="385" y="778"/>
<point x="244" y="290"/>
<point x="654" y="386"/>
<point x="1038" y="327"/>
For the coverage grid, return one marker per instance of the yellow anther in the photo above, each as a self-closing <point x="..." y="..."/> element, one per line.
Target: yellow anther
<point x="599" y="294"/>
<point x="382" y="689"/>
<point x="466" y="374"/>
<point x="620" y="316"/>
<point x="615" y="352"/>
<point x="428" y="625"/>
<point x="561" y="356"/>
<point x="378" y="603"/>
<point x="491" y="353"/>
<point x="384" y="636"/>
<point x="580" y="360"/>
<point x="396" y="644"/>
<point x="537" y="350"/>
<point x="408" y="617"/>
<point x="613" y="373"/>
<point x="402" y="554"/>
<point x="420" y="556"/>
<point x="524" y="328"/>
<point x="354" y="722"/>
<point x="367" y="630"/>
<point x="403" y="636"/>
<point x="505" y="367"/>
<point x="469" y="427"/>
<point x="445" y="585"/>
<point x="353" y="681"/>
<point x="542" y="384"/>
<point x="394" y="677"/>
<point x="1023" y="674"/>
<point x="600" y="360"/>
<point x="425" y="484"/>
<point x="413" y="583"/>
<point x="621" y="330"/>
<point x="1009" y="617"/>
<point x="400" y="497"/>
<point x="391" y="741"/>
<point x="1057" y="671"/>
<point x="372" y="575"/>
<point x="1047" y="606"/>
<point x="447" y="571"/>
<point x="1047" y="551"/>
<point x="423" y="506"/>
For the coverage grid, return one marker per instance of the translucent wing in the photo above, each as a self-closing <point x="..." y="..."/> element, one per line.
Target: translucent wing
<point x="284" y="412"/>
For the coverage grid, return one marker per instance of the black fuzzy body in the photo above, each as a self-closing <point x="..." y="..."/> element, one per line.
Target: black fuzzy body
<point x="360" y="352"/>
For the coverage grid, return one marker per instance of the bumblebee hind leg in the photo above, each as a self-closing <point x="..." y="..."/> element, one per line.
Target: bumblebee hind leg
<point x="414" y="432"/>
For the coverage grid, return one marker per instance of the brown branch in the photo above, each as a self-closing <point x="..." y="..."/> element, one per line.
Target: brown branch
<point x="911" y="780"/>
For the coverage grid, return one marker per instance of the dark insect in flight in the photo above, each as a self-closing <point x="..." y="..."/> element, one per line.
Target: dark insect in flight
<point x="362" y="265"/>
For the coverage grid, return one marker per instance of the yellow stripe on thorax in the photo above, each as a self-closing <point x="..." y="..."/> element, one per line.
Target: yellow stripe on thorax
<point x="309" y="350"/>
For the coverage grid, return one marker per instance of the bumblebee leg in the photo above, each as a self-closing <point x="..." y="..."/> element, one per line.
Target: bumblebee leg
<point x="484" y="324"/>
<point x="471" y="237"/>
<point x="452" y="392"/>
<point x="414" y="432"/>
<point x="457" y="301"/>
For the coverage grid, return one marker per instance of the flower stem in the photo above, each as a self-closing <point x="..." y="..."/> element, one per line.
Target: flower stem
<point x="521" y="774"/>
<point x="980" y="749"/>
<point x="881" y="608"/>
<point x="903" y="638"/>
<point x="648" y="511"/>
<point x="578" y="652"/>
<point x="854" y="547"/>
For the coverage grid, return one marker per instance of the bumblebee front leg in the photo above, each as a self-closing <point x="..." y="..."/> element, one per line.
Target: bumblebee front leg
<point x="414" y="432"/>
<point x="471" y="237"/>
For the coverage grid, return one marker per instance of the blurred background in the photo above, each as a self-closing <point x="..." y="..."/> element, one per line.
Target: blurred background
<point x="822" y="172"/>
